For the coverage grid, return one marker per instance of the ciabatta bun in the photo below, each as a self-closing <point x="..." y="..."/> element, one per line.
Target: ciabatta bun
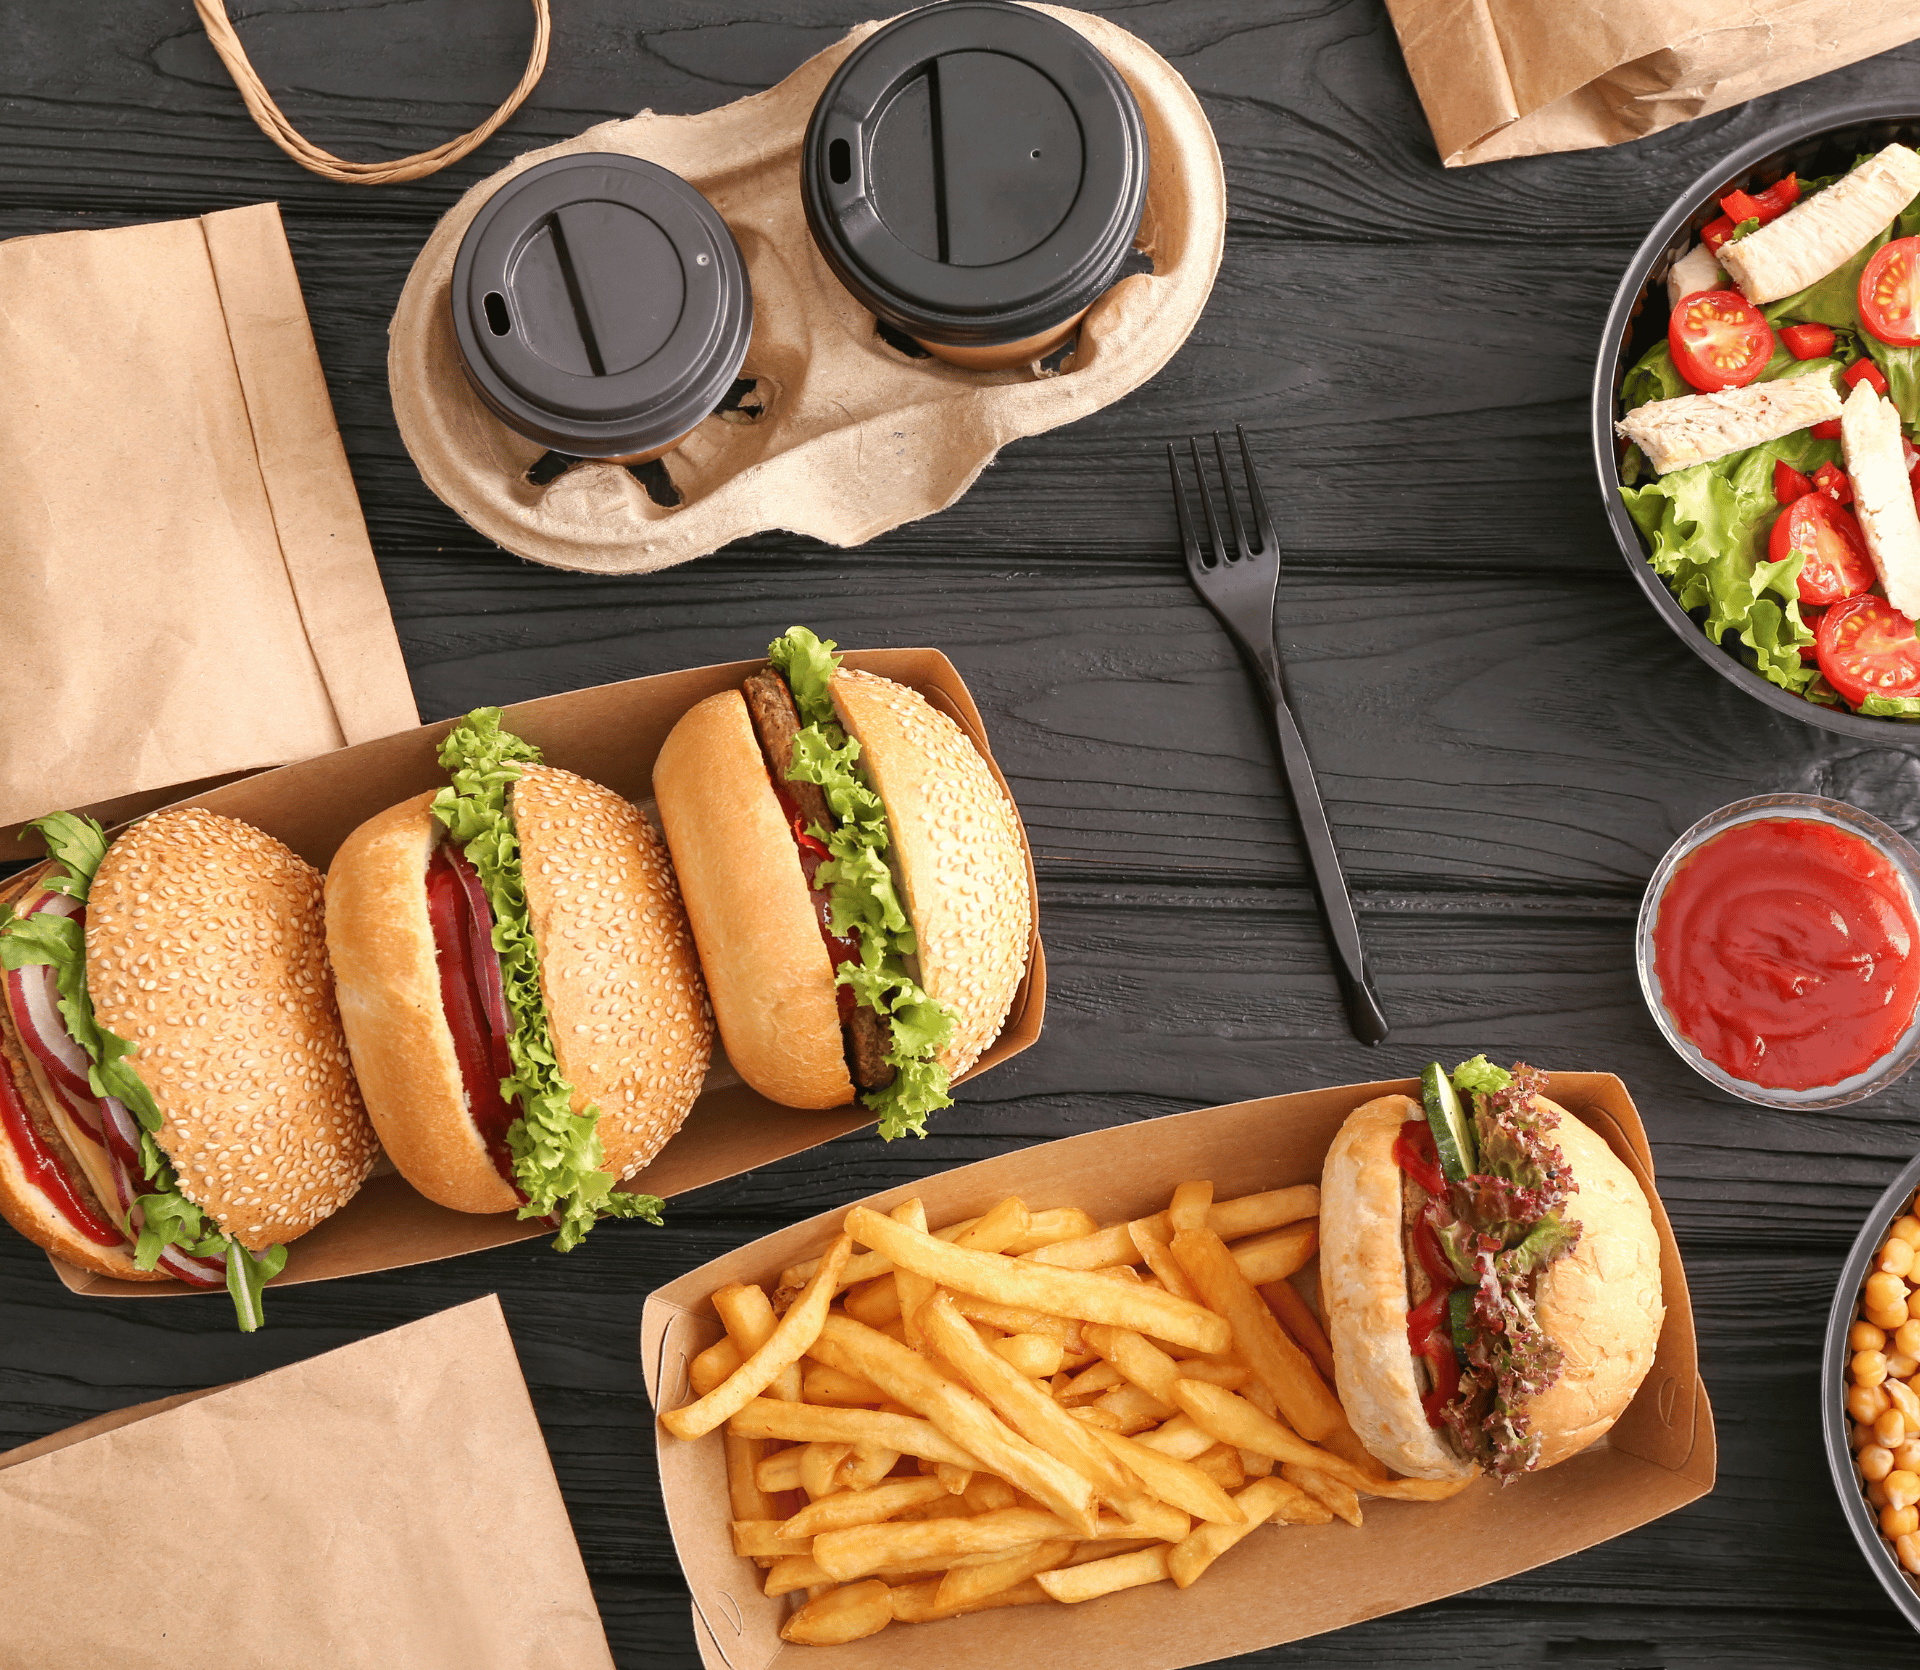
<point x="1601" y="1304"/>
<point x="628" y="1018"/>
<point x="205" y="949"/>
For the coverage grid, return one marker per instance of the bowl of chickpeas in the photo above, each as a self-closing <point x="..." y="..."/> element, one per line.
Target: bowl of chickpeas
<point x="1873" y="1428"/>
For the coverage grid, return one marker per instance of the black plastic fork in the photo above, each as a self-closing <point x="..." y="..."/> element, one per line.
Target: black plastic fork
<point x="1239" y="586"/>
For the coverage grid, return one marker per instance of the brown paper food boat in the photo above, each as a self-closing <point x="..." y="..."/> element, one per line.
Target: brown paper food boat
<point x="611" y="733"/>
<point x="1275" y="1586"/>
<point x="855" y="436"/>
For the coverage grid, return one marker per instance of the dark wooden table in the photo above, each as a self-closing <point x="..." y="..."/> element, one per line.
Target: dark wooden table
<point x="1508" y="738"/>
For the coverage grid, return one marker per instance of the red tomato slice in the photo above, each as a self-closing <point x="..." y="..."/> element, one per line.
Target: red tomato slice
<point x="1833" y="553"/>
<point x="1865" y="371"/>
<point x="1813" y="617"/>
<point x="1719" y="339"/>
<point x="1890" y="293"/>
<point x="1807" y="342"/>
<point x="1867" y="648"/>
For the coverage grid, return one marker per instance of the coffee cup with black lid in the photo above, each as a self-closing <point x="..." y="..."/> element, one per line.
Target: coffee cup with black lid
<point x="601" y="306"/>
<point x="974" y="175"/>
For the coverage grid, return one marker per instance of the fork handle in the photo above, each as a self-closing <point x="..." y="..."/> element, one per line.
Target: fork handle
<point x="1364" y="1015"/>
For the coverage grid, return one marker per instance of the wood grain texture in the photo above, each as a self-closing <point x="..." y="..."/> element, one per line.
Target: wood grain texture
<point x="1508" y="738"/>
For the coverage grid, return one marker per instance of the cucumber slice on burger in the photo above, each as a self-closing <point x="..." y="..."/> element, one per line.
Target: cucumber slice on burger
<point x="1452" y="1134"/>
<point x="1460" y="1320"/>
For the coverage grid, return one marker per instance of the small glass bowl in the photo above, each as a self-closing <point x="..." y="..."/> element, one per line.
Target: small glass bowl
<point x="1888" y="843"/>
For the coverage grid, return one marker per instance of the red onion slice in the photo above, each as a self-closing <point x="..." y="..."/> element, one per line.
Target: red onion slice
<point x="484" y="959"/>
<point x="201" y="1272"/>
<point x="123" y="1161"/>
<point x="34" y="995"/>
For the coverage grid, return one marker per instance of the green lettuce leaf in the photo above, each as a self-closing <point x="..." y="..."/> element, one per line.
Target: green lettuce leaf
<point x="557" y="1157"/>
<point x="1480" y="1074"/>
<point x="76" y="845"/>
<point x="1890" y="707"/>
<point x="1551" y="1238"/>
<point x="865" y="902"/>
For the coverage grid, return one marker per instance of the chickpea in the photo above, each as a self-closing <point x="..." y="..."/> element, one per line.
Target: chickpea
<point x="1888" y="1320"/>
<point x="1876" y="1462"/>
<point x="1908" y="1548"/>
<point x="1903" y="1489"/>
<point x="1907" y="1229"/>
<point x="1864" y="1336"/>
<point x="1900" y="1522"/>
<point x="1867" y="1403"/>
<point x="1890" y="1428"/>
<point x="1900" y="1367"/>
<point x="1908" y="1455"/>
<point x="1869" y="1368"/>
<point x="1906" y="1340"/>
<point x="1896" y="1257"/>
<point x="1902" y="1397"/>
<point x="1860" y="1434"/>
<point x="1884" y="1291"/>
<point x="1877" y="1493"/>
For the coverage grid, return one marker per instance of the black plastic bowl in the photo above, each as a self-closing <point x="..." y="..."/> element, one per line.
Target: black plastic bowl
<point x="1903" y="1590"/>
<point x="1825" y="144"/>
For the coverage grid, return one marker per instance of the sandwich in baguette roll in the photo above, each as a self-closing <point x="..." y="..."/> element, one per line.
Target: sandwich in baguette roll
<point x="176" y="1100"/>
<point x="519" y="989"/>
<point x="1490" y="1275"/>
<point x="856" y="879"/>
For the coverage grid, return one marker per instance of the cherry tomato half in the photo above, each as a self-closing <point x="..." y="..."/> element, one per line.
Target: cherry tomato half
<point x="1719" y="339"/>
<point x="1831" y="480"/>
<point x="1813" y="617"/>
<point x="1807" y="342"/>
<point x="1890" y="293"/>
<point x="1833" y="552"/>
<point x="1867" y="648"/>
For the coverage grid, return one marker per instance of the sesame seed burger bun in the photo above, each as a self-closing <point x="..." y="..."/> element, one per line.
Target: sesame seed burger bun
<point x="1601" y="1304"/>
<point x="23" y="1202"/>
<point x="205" y="949"/>
<point x="625" y="1005"/>
<point x="959" y="859"/>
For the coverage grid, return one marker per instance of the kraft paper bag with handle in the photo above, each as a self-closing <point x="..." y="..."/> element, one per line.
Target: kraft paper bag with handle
<point x="386" y="1506"/>
<point x="188" y="588"/>
<point x="1516" y="78"/>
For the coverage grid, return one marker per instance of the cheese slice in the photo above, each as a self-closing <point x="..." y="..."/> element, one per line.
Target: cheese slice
<point x="1882" y="495"/>
<point x="1695" y="428"/>
<point x="1826" y="230"/>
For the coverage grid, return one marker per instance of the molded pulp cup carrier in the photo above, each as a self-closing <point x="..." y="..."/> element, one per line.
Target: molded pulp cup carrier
<point x="601" y="306"/>
<point x="974" y="174"/>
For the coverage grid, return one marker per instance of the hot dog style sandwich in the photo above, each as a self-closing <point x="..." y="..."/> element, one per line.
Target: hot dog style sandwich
<point x="175" y="1096"/>
<point x="518" y="986"/>
<point x="1490" y="1274"/>
<point x="856" y="880"/>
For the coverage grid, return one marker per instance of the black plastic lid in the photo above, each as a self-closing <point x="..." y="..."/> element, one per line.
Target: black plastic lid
<point x="974" y="173"/>
<point x="601" y="305"/>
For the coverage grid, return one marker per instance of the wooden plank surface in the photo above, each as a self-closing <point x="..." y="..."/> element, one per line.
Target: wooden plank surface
<point x="1507" y="735"/>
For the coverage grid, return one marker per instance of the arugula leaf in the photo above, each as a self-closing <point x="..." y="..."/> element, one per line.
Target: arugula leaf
<point x="865" y="901"/>
<point x="557" y="1156"/>
<point x="169" y="1219"/>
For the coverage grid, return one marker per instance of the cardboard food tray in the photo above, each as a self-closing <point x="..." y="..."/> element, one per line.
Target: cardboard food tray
<point x="612" y="734"/>
<point x="1276" y="1585"/>
<point x="339" y="1519"/>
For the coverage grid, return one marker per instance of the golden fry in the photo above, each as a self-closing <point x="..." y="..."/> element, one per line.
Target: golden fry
<point x="793" y="1572"/>
<point x="1033" y="1355"/>
<point x="747" y="1499"/>
<point x="1337" y="1494"/>
<point x="1088" y="1415"/>
<point x="1189" y="1207"/>
<point x="1179" y="1483"/>
<point x="1276" y="1256"/>
<point x="841" y="1615"/>
<point x="913" y="1290"/>
<point x="1179" y="1438"/>
<point x="749" y="1320"/>
<point x="1189" y="1557"/>
<point x="875" y="1302"/>
<point x="777" y="1472"/>
<point x="1020" y="1282"/>
<point x="786" y="1345"/>
<point x="964" y="1585"/>
<point x="861" y="1549"/>
<point x="755" y="1538"/>
<point x="913" y="1603"/>
<point x="1134" y="1409"/>
<point x="1233" y="1420"/>
<point x="1223" y="1465"/>
<point x="713" y="1365"/>
<point x="986" y="1494"/>
<point x="1150" y="1243"/>
<point x="1229" y="1219"/>
<point x="867" y="1466"/>
<point x="817" y="1423"/>
<point x="908" y="1378"/>
<point x="819" y="1463"/>
<point x="828" y="1385"/>
<point x="862" y="1507"/>
<point x="1291" y="1312"/>
<point x="1305" y="1399"/>
<point x="1027" y="1409"/>
<point x="1106" y="1577"/>
<point x="999" y="1229"/>
<point x="1057" y="1223"/>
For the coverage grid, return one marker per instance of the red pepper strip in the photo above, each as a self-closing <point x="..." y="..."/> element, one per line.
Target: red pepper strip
<point x="1777" y="198"/>
<point x="1827" y="429"/>
<point x="1832" y="480"/>
<point x="807" y="842"/>
<point x="1739" y="206"/>
<point x="1807" y="342"/>
<point x="1414" y="1153"/>
<point x="1788" y="483"/>
<point x="1865" y="371"/>
<point x="1716" y="232"/>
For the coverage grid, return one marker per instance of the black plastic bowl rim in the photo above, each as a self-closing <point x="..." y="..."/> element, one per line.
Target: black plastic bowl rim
<point x="1833" y="1415"/>
<point x="1760" y="161"/>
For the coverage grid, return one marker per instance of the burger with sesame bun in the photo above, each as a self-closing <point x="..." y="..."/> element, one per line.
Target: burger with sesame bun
<point x="518" y="985"/>
<point x="856" y="879"/>
<point x="175" y="1096"/>
<point x="1490" y="1275"/>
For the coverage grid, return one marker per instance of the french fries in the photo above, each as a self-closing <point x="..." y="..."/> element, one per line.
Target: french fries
<point x="1026" y="1408"/>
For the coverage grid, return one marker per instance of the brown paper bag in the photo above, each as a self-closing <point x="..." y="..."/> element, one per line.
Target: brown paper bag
<point x="1516" y="78"/>
<point x="384" y="1506"/>
<point x="185" y="578"/>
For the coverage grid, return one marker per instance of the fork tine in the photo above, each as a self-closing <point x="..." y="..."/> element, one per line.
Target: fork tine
<point x="1188" y="543"/>
<point x="1262" y="522"/>
<point x="1206" y="505"/>
<point x="1233" y="503"/>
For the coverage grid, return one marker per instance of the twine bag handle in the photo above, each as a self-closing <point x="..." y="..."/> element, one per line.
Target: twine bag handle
<point x="274" y="124"/>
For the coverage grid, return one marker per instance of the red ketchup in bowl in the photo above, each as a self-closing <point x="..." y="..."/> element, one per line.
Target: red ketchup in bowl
<point x="1786" y="951"/>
